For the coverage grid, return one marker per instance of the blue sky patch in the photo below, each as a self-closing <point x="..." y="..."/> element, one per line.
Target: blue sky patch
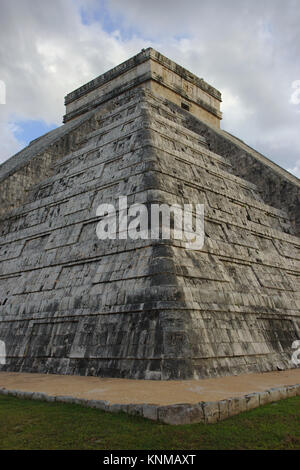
<point x="26" y="131"/>
<point x="101" y="14"/>
<point x="110" y="22"/>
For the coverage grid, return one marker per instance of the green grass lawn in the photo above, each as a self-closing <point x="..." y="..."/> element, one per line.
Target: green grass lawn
<point x="26" y="424"/>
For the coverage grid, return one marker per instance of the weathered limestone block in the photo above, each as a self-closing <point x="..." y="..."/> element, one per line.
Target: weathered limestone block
<point x="150" y="412"/>
<point x="252" y="401"/>
<point x="80" y="401"/>
<point x="135" y="409"/>
<point x="223" y="409"/>
<point x="236" y="405"/>
<point x="291" y="391"/>
<point x="98" y="404"/>
<point x="28" y="395"/>
<point x="211" y="412"/>
<point x="117" y="408"/>
<point x="50" y="398"/>
<point x="181" y="414"/>
<point x="194" y="414"/>
<point x="265" y="398"/>
<point x="65" y="399"/>
<point x="277" y="393"/>
<point x="39" y="396"/>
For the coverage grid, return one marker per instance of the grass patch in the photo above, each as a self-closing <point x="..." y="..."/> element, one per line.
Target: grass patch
<point x="27" y="424"/>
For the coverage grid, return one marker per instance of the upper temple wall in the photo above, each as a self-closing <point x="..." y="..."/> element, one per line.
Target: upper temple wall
<point x="149" y="69"/>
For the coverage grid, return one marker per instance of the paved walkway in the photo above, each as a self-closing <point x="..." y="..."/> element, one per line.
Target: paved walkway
<point x="148" y="391"/>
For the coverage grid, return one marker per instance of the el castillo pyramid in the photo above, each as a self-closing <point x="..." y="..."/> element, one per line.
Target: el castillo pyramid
<point x="147" y="309"/>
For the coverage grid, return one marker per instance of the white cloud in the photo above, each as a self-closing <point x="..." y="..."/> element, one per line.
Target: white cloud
<point x="248" y="50"/>
<point x="235" y="110"/>
<point x="296" y="169"/>
<point x="295" y="96"/>
<point x="9" y="144"/>
<point x="46" y="52"/>
<point x="2" y="92"/>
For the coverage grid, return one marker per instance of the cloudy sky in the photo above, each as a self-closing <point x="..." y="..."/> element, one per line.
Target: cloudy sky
<point x="247" y="49"/>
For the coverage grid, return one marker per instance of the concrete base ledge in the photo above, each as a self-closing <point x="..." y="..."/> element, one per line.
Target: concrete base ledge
<point x="181" y="413"/>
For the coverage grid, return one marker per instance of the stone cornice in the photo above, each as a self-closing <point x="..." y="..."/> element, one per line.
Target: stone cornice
<point x="143" y="56"/>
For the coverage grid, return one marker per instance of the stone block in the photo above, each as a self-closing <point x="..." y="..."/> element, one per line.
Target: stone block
<point x="252" y="401"/>
<point x="50" y="398"/>
<point x="150" y="412"/>
<point x="135" y="409"/>
<point x="65" y="399"/>
<point x="117" y="408"/>
<point x="236" y="405"/>
<point x="211" y="412"/>
<point x="181" y="414"/>
<point x="173" y="414"/>
<point x="223" y="409"/>
<point x="80" y="401"/>
<point x="277" y="393"/>
<point x="38" y="396"/>
<point x="291" y="391"/>
<point x="13" y="393"/>
<point x="27" y="395"/>
<point x="195" y="413"/>
<point x="265" y="398"/>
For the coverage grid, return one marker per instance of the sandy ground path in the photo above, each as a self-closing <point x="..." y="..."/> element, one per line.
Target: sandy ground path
<point x="148" y="391"/>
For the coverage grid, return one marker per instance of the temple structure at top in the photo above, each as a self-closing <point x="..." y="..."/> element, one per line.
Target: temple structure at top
<point x="149" y="69"/>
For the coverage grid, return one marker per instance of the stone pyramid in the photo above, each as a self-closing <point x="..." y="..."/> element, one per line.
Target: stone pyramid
<point x="147" y="309"/>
